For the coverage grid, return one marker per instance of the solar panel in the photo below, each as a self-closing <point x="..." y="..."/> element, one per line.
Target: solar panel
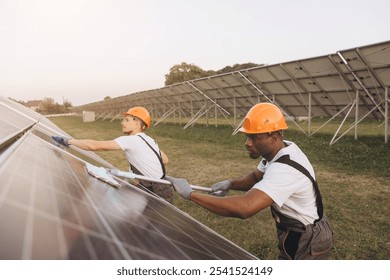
<point x="51" y="208"/>
<point x="319" y="87"/>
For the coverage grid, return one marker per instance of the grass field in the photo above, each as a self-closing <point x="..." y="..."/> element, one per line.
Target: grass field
<point x="353" y="177"/>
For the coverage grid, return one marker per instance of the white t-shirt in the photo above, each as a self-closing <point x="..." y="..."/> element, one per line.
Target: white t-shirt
<point x="292" y="192"/>
<point x="140" y="155"/>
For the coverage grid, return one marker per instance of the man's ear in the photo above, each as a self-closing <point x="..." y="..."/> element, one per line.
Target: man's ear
<point x="274" y="137"/>
<point x="142" y="126"/>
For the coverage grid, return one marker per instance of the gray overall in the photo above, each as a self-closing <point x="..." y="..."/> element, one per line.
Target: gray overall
<point x="297" y="241"/>
<point x="162" y="190"/>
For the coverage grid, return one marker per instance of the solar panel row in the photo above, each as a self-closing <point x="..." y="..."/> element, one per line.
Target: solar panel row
<point x="322" y="87"/>
<point x="50" y="208"/>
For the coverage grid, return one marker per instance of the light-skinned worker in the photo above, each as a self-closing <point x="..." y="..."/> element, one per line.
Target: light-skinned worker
<point x="141" y="151"/>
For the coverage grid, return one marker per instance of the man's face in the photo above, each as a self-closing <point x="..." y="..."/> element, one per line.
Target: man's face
<point x="128" y="124"/>
<point x="259" y="144"/>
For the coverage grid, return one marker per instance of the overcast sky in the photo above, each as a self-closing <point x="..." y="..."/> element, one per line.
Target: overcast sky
<point x="84" y="50"/>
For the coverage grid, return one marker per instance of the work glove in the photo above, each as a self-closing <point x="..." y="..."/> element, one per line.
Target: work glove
<point x="221" y="188"/>
<point x="60" y="140"/>
<point x="181" y="185"/>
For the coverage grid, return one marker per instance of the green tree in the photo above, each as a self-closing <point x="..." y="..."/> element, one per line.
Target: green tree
<point x="237" y="67"/>
<point x="48" y="106"/>
<point x="66" y="106"/>
<point x="184" y="72"/>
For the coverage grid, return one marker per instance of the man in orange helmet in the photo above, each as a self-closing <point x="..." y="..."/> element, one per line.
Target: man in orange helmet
<point x="284" y="181"/>
<point x="142" y="152"/>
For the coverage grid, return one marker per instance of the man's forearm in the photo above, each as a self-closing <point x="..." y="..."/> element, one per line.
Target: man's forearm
<point x="244" y="183"/>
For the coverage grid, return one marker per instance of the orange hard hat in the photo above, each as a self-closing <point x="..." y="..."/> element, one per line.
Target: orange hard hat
<point x="263" y="118"/>
<point x="139" y="112"/>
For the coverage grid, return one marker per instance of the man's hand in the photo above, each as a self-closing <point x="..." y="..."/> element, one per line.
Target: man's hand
<point x="61" y="140"/>
<point x="220" y="188"/>
<point x="181" y="186"/>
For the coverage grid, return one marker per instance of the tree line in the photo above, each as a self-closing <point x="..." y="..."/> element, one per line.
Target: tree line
<point x="185" y="72"/>
<point x="178" y="73"/>
<point x="49" y="106"/>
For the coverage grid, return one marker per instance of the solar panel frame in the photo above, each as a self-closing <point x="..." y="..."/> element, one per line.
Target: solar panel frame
<point x="53" y="209"/>
<point x="314" y="87"/>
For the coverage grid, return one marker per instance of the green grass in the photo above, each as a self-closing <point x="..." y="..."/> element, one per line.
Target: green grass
<point x="353" y="177"/>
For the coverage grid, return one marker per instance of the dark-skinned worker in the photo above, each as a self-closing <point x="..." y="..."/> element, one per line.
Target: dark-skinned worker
<point x="142" y="152"/>
<point x="284" y="181"/>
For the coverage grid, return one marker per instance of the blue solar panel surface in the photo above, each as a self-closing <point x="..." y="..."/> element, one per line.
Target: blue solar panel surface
<point x="51" y="208"/>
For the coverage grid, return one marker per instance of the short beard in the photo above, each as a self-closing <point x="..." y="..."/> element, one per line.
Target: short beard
<point x="254" y="156"/>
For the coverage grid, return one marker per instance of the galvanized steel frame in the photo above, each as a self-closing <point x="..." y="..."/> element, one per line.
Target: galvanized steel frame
<point x="319" y="87"/>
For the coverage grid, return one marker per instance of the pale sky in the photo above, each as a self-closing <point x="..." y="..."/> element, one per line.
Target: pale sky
<point x="84" y="50"/>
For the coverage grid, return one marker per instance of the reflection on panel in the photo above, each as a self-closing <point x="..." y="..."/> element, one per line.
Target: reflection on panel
<point x="50" y="208"/>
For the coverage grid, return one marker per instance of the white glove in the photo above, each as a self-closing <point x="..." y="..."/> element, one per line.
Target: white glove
<point x="221" y="188"/>
<point x="181" y="185"/>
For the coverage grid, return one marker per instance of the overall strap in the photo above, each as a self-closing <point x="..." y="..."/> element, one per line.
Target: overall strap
<point x="158" y="156"/>
<point x="286" y="160"/>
